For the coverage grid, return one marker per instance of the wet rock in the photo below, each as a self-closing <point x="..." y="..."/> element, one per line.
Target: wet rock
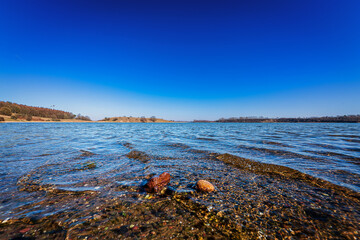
<point x="89" y="165"/>
<point x="204" y="186"/>
<point x="86" y="153"/>
<point x="156" y="184"/>
<point x="141" y="156"/>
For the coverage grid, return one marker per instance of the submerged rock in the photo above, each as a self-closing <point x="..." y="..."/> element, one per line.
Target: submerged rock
<point x="89" y="165"/>
<point x="204" y="186"/>
<point x="86" y="153"/>
<point x="141" y="156"/>
<point x="156" y="184"/>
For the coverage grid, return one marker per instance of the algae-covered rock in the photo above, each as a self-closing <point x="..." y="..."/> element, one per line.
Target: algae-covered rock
<point x="89" y="165"/>
<point x="138" y="155"/>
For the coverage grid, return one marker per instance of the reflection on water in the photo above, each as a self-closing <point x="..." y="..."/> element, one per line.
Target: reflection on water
<point x="46" y="168"/>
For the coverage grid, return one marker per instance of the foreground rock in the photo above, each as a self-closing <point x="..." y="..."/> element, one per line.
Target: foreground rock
<point x="204" y="186"/>
<point x="156" y="184"/>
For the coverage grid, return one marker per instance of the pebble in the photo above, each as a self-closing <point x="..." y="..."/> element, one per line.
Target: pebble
<point x="24" y="230"/>
<point x="204" y="186"/>
<point x="156" y="184"/>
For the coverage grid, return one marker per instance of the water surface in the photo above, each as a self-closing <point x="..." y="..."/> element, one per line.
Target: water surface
<point x="38" y="159"/>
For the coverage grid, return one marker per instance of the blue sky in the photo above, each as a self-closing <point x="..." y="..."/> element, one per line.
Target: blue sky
<point x="182" y="60"/>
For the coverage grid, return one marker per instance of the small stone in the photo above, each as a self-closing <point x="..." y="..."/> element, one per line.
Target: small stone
<point x="148" y="196"/>
<point x="204" y="186"/>
<point x="156" y="184"/>
<point x="24" y="230"/>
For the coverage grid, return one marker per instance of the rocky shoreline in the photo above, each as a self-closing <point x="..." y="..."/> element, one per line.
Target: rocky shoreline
<point x="271" y="202"/>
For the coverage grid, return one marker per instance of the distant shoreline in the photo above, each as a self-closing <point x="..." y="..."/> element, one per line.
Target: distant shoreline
<point x="326" y="119"/>
<point x="152" y="122"/>
<point x="271" y="122"/>
<point x="13" y="112"/>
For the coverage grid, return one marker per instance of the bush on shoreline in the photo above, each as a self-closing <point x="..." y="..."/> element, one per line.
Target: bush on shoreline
<point x="5" y="111"/>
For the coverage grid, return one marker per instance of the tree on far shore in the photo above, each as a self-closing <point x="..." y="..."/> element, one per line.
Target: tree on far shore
<point x="5" y="111"/>
<point x="81" y="117"/>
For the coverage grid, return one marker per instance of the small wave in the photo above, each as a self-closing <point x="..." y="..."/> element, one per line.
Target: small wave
<point x="281" y="153"/>
<point x="276" y="144"/>
<point x="45" y="154"/>
<point x="351" y="159"/>
<point x="343" y="135"/>
<point x="208" y="139"/>
<point x="352" y="140"/>
<point x="328" y="146"/>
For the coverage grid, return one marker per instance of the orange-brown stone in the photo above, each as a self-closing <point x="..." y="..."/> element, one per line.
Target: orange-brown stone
<point x="204" y="186"/>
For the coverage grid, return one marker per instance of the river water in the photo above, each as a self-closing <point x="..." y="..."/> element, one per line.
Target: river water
<point x="42" y="161"/>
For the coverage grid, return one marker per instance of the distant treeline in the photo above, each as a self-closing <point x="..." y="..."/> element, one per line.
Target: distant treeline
<point x="142" y="119"/>
<point x="23" y="111"/>
<point x="338" y="119"/>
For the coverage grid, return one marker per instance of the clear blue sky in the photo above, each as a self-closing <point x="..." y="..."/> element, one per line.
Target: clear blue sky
<point x="182" y="59"/>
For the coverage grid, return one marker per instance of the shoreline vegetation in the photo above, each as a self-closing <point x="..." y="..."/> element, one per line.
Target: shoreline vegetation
<point x="13" y="112"/>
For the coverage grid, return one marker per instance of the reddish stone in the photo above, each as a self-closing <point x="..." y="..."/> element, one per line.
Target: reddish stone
<point x="156" y="184"/>
<point x="135" y="228"/>
<point x="24" y="230"/>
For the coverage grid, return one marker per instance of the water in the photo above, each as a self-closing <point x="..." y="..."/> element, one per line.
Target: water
<point x="42" y="158"/>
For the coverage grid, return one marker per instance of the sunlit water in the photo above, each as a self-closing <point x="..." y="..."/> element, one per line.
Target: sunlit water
<point x="60" y="155"/>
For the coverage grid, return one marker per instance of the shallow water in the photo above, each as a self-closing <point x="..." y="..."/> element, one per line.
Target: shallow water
<point x="42" y="162"/>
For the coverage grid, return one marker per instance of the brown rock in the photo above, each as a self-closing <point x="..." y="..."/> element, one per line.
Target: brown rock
<point x="204" y="186"/>
<point x="156" y="184"/>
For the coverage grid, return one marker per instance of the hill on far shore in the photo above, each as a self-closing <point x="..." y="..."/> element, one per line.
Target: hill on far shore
<point x="135" y="119"/>
<point x="13" y="112"/>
